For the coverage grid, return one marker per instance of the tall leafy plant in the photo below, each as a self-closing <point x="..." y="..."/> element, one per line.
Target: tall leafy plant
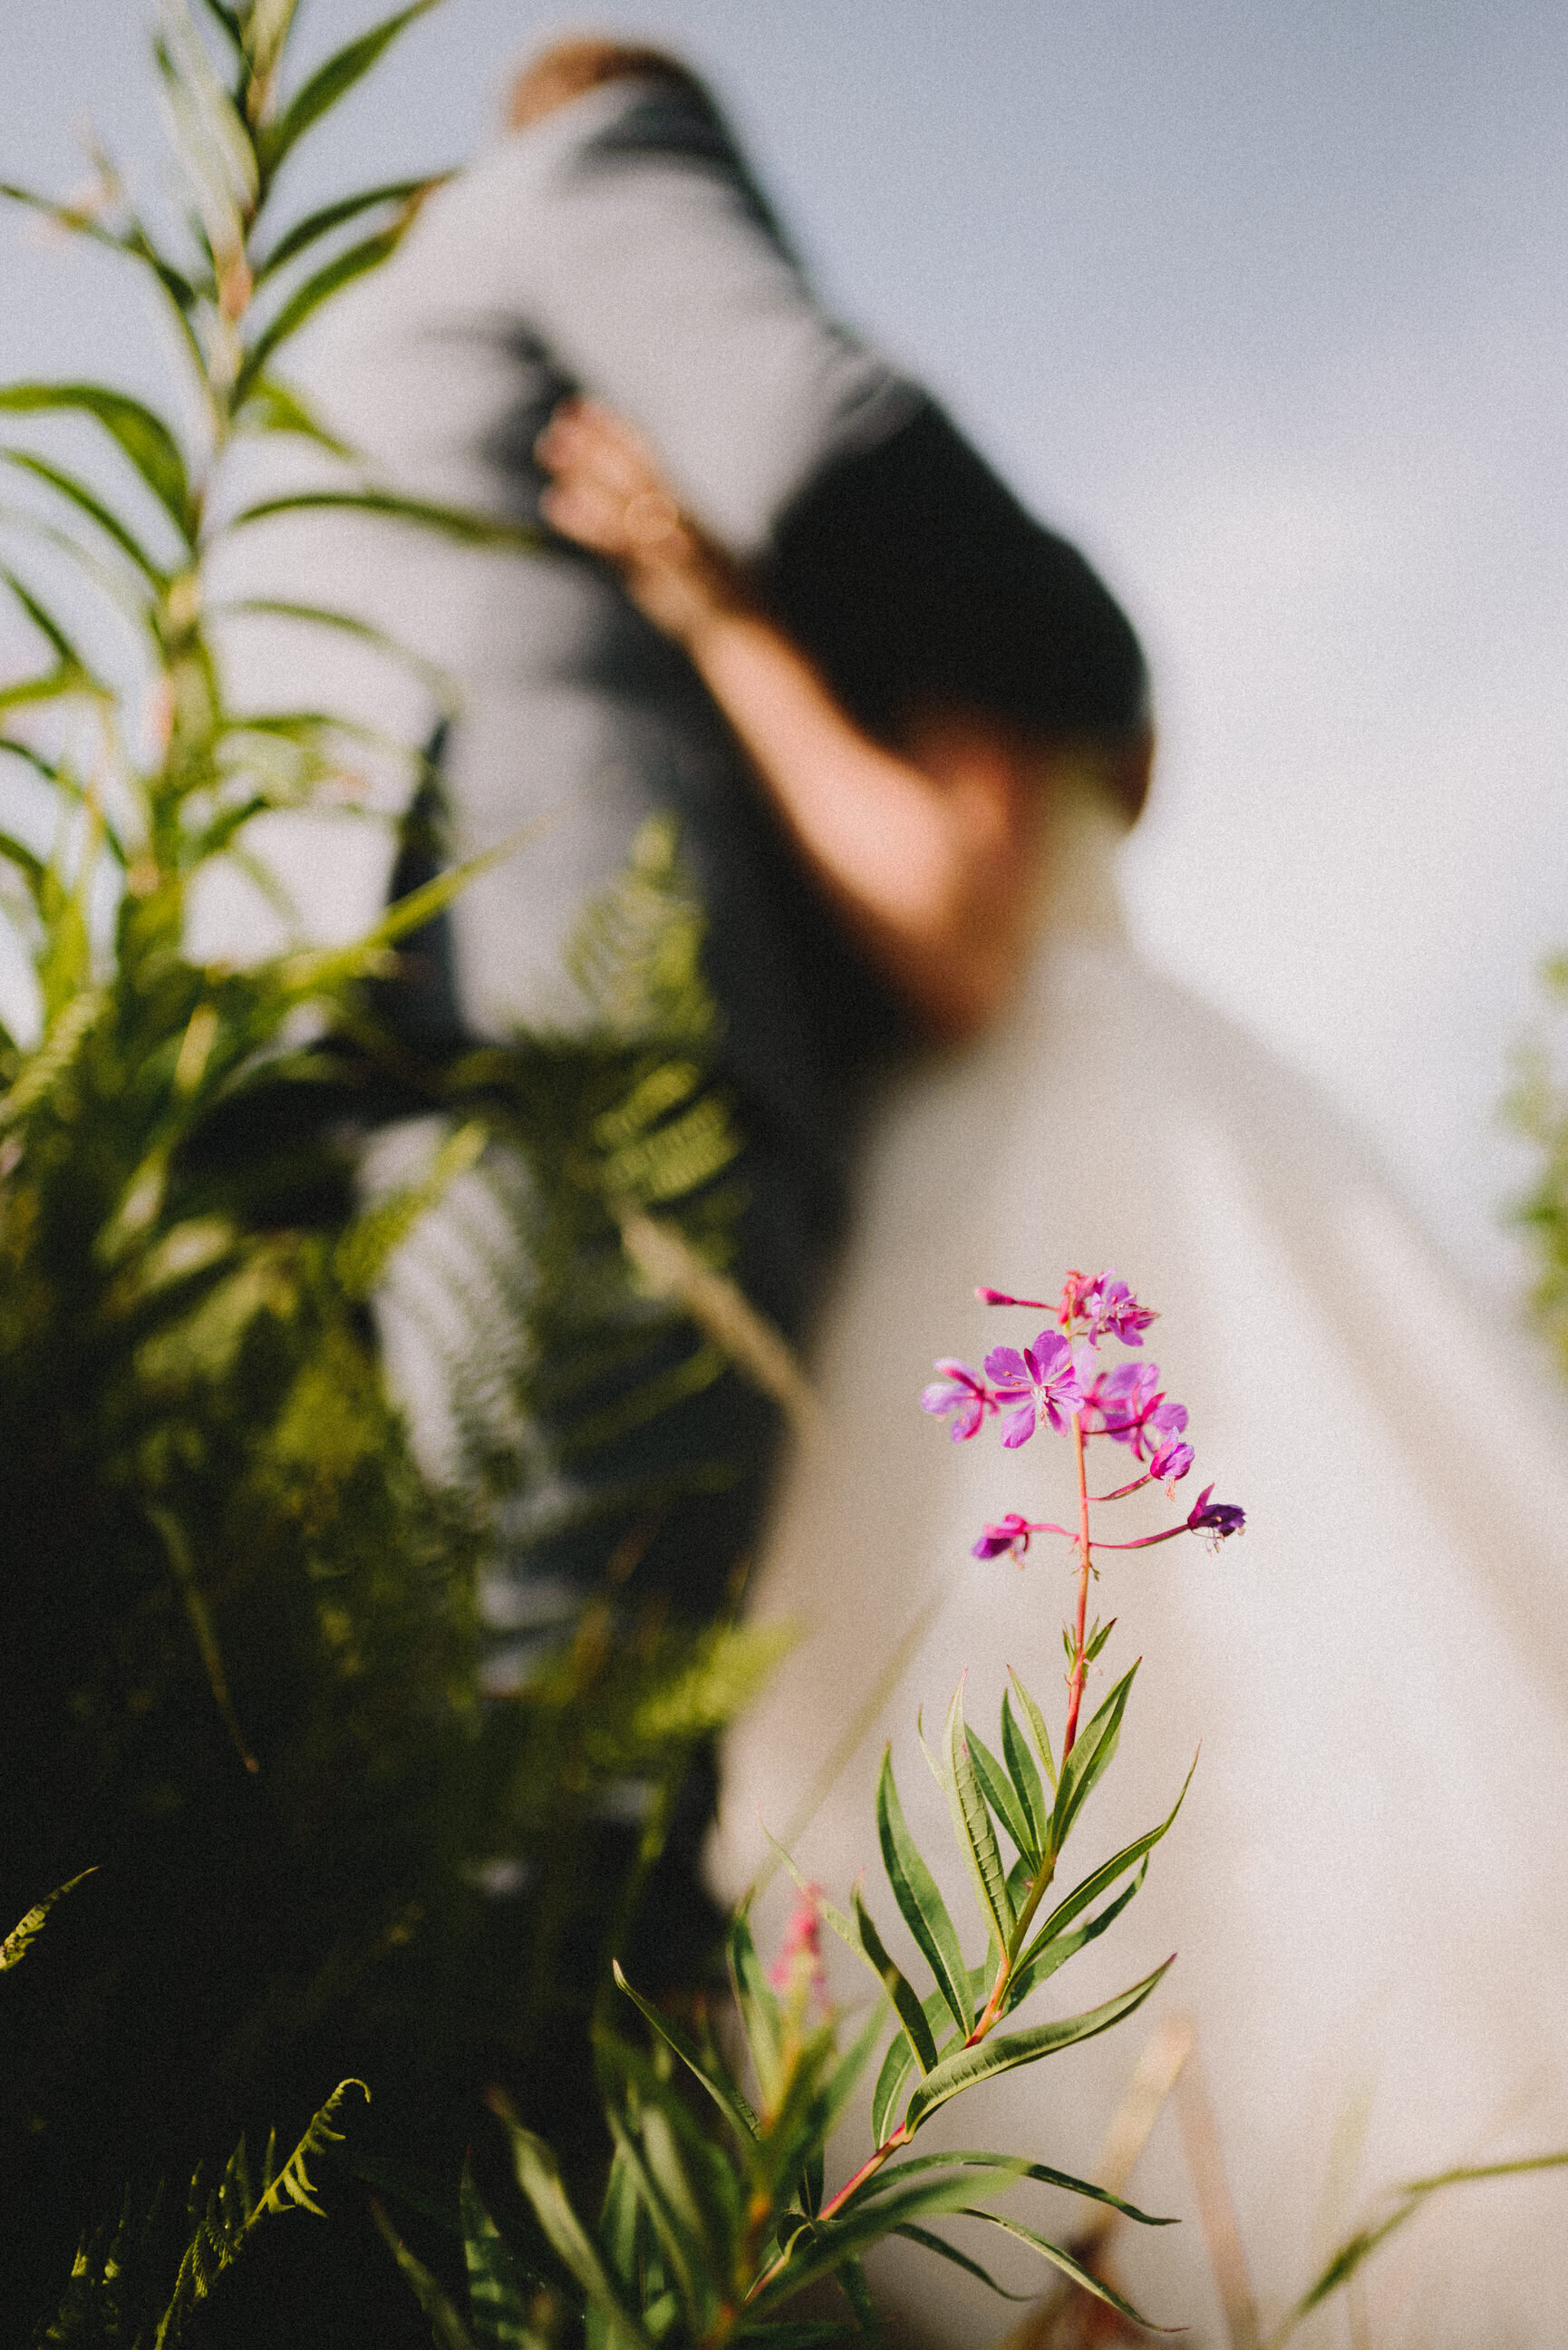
<point x="239" y="1673"/>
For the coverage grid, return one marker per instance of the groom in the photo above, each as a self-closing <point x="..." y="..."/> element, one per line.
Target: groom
<point x="616" y="244"/>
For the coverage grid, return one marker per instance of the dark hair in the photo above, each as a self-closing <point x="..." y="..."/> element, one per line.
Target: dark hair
<point x="915" y="579"/>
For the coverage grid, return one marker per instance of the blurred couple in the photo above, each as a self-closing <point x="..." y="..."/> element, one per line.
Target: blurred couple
<point x="904" y="728"/>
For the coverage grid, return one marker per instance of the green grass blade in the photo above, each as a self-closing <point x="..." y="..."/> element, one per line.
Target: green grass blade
<point x="973" y="1825"/>
<point x="919" y="1903"/>
<point x="446" y="2325"/>
<point x="1001" y="2052"/>
<point x="144" y="437"/>
<point x="494" y="2282"/>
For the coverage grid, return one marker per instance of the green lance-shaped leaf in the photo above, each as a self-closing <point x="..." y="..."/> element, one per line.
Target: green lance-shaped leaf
<point x="441" y="681"/>
<point x="1106" y="1876"/>
<point x="1036" y="1722"/>
<point x="460" y="523"/>
<point x="447" y="2328"/>
<point x="939" y="2245"/>
<point x="821" y="2247"/>
<point x="86" y="501"/>
<point x="1025" y="1775"/>
<point x="1003" y="1796"/>
<point x="899" y="2060"/>
<point x="1002" y="2051"/>
<point x="332" y="81"/>
<point x="494" y="2278"/>
<point x="273" y="407"/>
<point x="26" y="1931"/>
<point x="341" y="271"/>
<point x="27" y="862"/>
<point x="1035" y="1969"/>
<point x="315" y="225"/>
<point x="48" y="628"/>
<point x="760" y="2018"/>
<point x="539" y="2177"/>
<point x="1061" y="2259"/>
<point x="973" y="1825"/>
<point x="682" y="2249"/>
<point x="919" y="1903"/>
<point x="145" y="439"/>
<point x="899" y="1989"/>
<point x="969" y="2159"/>
<point x="1089" y="1760"/>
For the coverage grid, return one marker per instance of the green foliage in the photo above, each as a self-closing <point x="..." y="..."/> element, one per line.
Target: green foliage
<point x="1538" y="1108"/>
<point x="239" y="1678"/>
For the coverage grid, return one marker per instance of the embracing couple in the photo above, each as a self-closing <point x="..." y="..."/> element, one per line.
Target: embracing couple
<point x="904" y="728"/>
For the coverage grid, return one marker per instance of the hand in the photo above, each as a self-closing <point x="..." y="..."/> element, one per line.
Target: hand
<point x="608" y="493"/>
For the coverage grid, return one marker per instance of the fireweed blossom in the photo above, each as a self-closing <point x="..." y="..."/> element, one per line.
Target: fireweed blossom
<point x="1056" y="1383"/>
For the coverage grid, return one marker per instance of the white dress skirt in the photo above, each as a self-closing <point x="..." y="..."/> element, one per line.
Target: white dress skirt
<point x="1367" y="1888"/>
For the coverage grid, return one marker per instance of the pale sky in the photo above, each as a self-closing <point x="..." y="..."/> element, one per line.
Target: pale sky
<point x="1263" y="301"/>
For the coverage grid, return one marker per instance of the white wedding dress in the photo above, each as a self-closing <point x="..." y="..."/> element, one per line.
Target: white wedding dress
<point x="1369" y="1885"/>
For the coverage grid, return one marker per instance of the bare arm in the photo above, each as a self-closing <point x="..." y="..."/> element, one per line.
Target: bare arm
<point x="929" y="858"/>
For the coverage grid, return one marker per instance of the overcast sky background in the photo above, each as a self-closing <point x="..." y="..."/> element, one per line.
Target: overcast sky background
<point x="1263" y="301"/>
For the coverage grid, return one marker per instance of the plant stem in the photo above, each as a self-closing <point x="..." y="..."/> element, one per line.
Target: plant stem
<point x="1080" y="1671"/>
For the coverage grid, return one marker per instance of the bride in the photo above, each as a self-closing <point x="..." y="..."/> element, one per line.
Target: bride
<point x="1368" y="1884"/>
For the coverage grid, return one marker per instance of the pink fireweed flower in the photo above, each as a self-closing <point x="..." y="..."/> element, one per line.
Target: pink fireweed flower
<point x="1050" y="1373"/>
<point x="797" y="1971"/>
<point x="1217" y="1518"/>
<point x="959" y="1394"/>
<point x="1110" y="1305"/>
<point x="1171" y="1462"/>
<point x="1001" y="1297"/>
<point x="1009" y="1536"/>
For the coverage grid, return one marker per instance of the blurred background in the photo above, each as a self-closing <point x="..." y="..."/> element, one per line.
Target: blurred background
<point x="1261" y="303"/>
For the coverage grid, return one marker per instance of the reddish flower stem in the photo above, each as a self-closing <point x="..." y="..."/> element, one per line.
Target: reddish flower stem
<point x="1080" y="1669"/>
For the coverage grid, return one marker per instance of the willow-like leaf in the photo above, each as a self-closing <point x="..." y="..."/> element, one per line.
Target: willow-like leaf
<point x="341" y="271"/>
<point x="71" y="487"/>
<point x="938" y="2244"/>
<point x="919" y="1903"/>
<point x="1031" y="1972"/>
<point x="1025" y="1776"/>
<point x="315" y="225"/>
<point x="899" y="1989"/>
<point x="725" y="2096"/>
<point x="539" y="2176"/>
<point x="48" y="628"/>
<point x="1042" y="2173"/>
<point x="1089" y="1760"/>
<point x="1004" y="2052"/>
<point x="973" y="1825"/>
<point x="468" y="528"/>
<point x="683" y="2252"/>
<point x="1102" y="1878"/>
<point x="144" y="437"/>
<point x="441" y="681"/>
<point x="1036" y="1722"/>
<point x="1003" y="1796"/>
<point x="273" y="407"/>
<point x="1059" y="2258"/>
<point x="821" y="2247"/>
<point x="759" y="2009"/>
<point x="332" y="81"/>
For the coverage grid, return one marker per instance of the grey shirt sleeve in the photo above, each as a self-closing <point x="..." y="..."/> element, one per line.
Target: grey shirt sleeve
<point x="623" y="234"/>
